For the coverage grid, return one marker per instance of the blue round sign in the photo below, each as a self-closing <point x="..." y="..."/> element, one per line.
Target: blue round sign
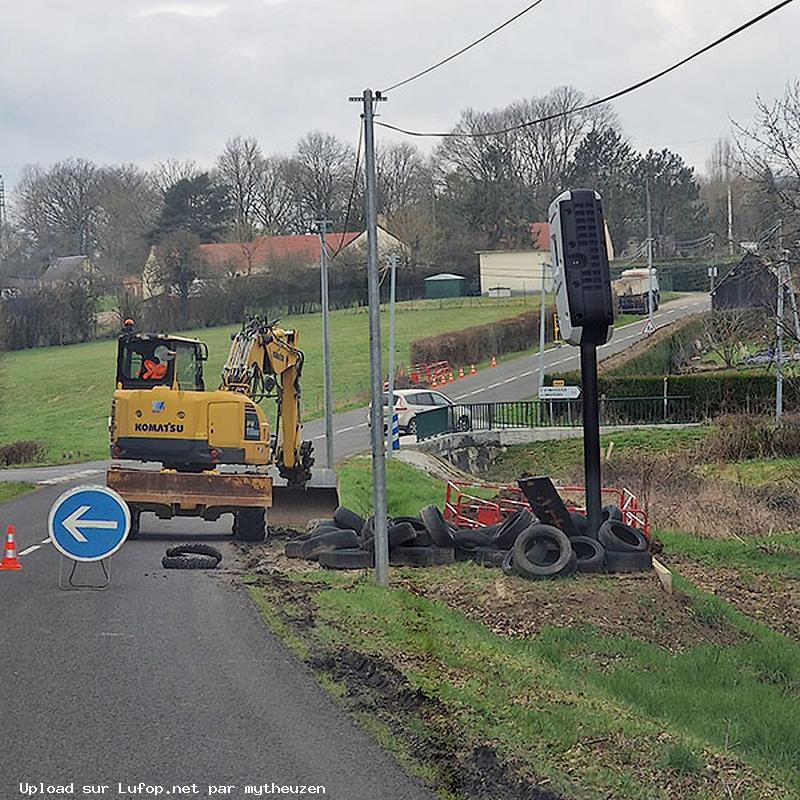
<point x="89" y="523"/>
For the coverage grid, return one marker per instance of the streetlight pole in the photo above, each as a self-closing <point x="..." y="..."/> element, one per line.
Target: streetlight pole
<point x="322" y="229"/>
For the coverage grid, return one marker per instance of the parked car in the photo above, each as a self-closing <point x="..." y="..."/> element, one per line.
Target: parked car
<point x="410" y="402"/>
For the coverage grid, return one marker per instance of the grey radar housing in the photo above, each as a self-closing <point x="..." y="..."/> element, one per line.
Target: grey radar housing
<point x="581" y="275"/>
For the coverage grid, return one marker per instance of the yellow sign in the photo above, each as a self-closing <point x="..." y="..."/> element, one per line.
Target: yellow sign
<point x="558" y="383"/>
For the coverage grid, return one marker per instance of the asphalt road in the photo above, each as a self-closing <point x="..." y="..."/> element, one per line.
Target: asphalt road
<point x="171" y="677"/>
<point x="166" y="677"/>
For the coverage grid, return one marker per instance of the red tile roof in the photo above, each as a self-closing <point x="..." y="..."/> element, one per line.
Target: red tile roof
<point x="257" y="255"/>
<point x="540" y="233"/>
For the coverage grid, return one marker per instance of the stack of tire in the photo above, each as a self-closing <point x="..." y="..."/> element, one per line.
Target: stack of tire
<point x="545" y="551"/>
<point x="348" y="541"/>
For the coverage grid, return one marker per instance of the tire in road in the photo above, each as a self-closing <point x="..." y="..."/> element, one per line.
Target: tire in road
<point x="191" y="556"/>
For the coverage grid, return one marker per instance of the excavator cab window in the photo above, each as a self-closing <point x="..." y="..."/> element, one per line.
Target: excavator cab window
<point x="144" y="363"/>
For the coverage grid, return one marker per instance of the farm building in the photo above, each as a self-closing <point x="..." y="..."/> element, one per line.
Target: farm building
<point x="522" y="270"/>
<point x="752" y="283"/>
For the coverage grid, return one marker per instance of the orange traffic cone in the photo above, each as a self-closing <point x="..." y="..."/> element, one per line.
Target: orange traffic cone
<point x="451" y="379"/>
<point x="433" y="380"/>
<point x="494" y="361"/>
<point x="460" y="373"/>
<point x="10" y="560"/>
<point x="472" y="370"/>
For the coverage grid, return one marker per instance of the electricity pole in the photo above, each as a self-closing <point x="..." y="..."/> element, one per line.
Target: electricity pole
<point x="373" y="280"/>
<point x="649" y="254"/>
<point x="322" y="230"/>
<point x="779" y="327"/>
<point x="392" y="292"/>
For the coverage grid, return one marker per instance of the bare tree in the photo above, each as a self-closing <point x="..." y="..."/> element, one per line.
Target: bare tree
<point x="726" y="332"/>
<point x="275" y="206"/>
<point x="320" y="174"/>
<point x="59" y="206"/>
<point x="770" y="148"/>
<point x="241" y="168"/>
<point x="403" y="177"/>
<point x="165" y="174"/>
<point x="128" y="208"/>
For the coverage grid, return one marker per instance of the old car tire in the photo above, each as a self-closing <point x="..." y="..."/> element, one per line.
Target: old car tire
<point x="620" y="538"/>
<point x="191" y="556"/>
<point x="511" y="527"/>
<point x="251" y="524"/>
<point x="133" y="533"/>
<point x="399" y="534"/>
<point x="590" y="553"/>
<point x="489" y="556"/>
<point x="628" y="562"/>
<point x="529" y="564"/>
<point x="294" y="547"/>
<point x="332" y="540"/>
<point x="411" y="428"/>
<point x="464" y="424"/>
<point x="437" y="526"/>
<point x="580" y="522"/>
<point x="351" y="558"/>
<point x="348" y="520"/>
<point x="611" y="512"/>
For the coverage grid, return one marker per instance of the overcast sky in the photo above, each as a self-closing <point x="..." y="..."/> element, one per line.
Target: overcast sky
<point x="144" y="80"/>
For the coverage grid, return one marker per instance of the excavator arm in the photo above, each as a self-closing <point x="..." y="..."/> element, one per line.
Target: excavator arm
<point x="263" y="361"/>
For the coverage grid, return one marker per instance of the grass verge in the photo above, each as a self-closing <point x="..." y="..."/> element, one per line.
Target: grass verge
<point x="572" y="711"/>
<point x="10" y="491"/>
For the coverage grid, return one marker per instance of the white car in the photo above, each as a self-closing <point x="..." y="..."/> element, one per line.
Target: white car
<point x="410" y="402"/>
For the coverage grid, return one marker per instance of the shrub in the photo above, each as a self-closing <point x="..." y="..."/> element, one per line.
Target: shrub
<point x="740" y="437"/>
<point x="21" y="452"/>
<point x="481" y="342"/>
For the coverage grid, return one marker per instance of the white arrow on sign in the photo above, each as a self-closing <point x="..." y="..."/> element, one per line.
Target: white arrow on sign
<point x="73" y="523"/>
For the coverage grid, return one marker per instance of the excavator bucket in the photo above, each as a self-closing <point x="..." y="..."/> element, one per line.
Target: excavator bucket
<point x="292" y="507"/>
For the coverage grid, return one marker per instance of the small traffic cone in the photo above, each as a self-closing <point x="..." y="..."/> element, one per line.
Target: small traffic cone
<point x="10" y="560"/>
<point x="433" y="380"/>
<point x="451" y="379"/>
<point x="494" y="361"/>
<point x="472" y="370"/>
<point x="461" y="373"/>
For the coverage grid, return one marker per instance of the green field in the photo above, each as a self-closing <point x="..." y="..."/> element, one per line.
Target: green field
<point x="61" y="395"/>
<point x="10" y="491"/>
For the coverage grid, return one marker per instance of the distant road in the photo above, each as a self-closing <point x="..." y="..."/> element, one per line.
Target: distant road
<point x="517" y="379"/>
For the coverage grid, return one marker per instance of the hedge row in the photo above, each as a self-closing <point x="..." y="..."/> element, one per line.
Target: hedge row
<point x="481" y="342"/>
<point x="711" y="393"/>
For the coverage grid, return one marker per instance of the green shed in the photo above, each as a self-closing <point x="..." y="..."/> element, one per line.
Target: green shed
<point x="445" y="285"/>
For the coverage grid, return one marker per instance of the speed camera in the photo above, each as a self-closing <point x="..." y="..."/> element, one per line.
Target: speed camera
<point x="581" y="276"/>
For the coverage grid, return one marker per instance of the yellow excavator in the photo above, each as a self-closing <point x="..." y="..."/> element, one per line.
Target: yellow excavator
<point x="213" y="451"/>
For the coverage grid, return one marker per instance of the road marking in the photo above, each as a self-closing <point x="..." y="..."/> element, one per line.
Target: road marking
<point x="526" y="373"/>
<point x="494" y="385"/>
<point x="28" y="550"/>
<point x="512" y="378"/>
<point x="477" y="391"/>
<point x="321" y="436"/>
<point x="348" y="428"/>
<point x="362" y="425"/>
<point x="84" y="473"/>
<point x="45" y="541"/>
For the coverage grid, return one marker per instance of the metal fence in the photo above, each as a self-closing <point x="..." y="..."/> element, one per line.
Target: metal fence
<point x="554" y="413"/>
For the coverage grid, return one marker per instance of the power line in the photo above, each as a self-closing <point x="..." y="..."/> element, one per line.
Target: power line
<point x="463" y="49"/>
<point x="352" y="192"/>
<point x="600" y="101"/>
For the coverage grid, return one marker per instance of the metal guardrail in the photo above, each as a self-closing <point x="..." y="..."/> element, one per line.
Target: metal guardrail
<point x="463" y="417"/>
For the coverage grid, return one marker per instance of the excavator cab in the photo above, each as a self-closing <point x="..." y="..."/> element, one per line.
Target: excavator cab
<point x="147" y="360"/>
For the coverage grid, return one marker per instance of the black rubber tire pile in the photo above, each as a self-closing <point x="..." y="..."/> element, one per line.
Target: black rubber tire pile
<point x="544" y="551"/>
<point x="520" y="544"/>
<point x="348" y="541"/>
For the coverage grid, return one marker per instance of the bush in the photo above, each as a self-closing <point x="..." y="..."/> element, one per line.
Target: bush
<point x="710" y="393"/>
<point x="21" y="452"/>
<point x="481" y="342"/>
<point x="739" y="437"/>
